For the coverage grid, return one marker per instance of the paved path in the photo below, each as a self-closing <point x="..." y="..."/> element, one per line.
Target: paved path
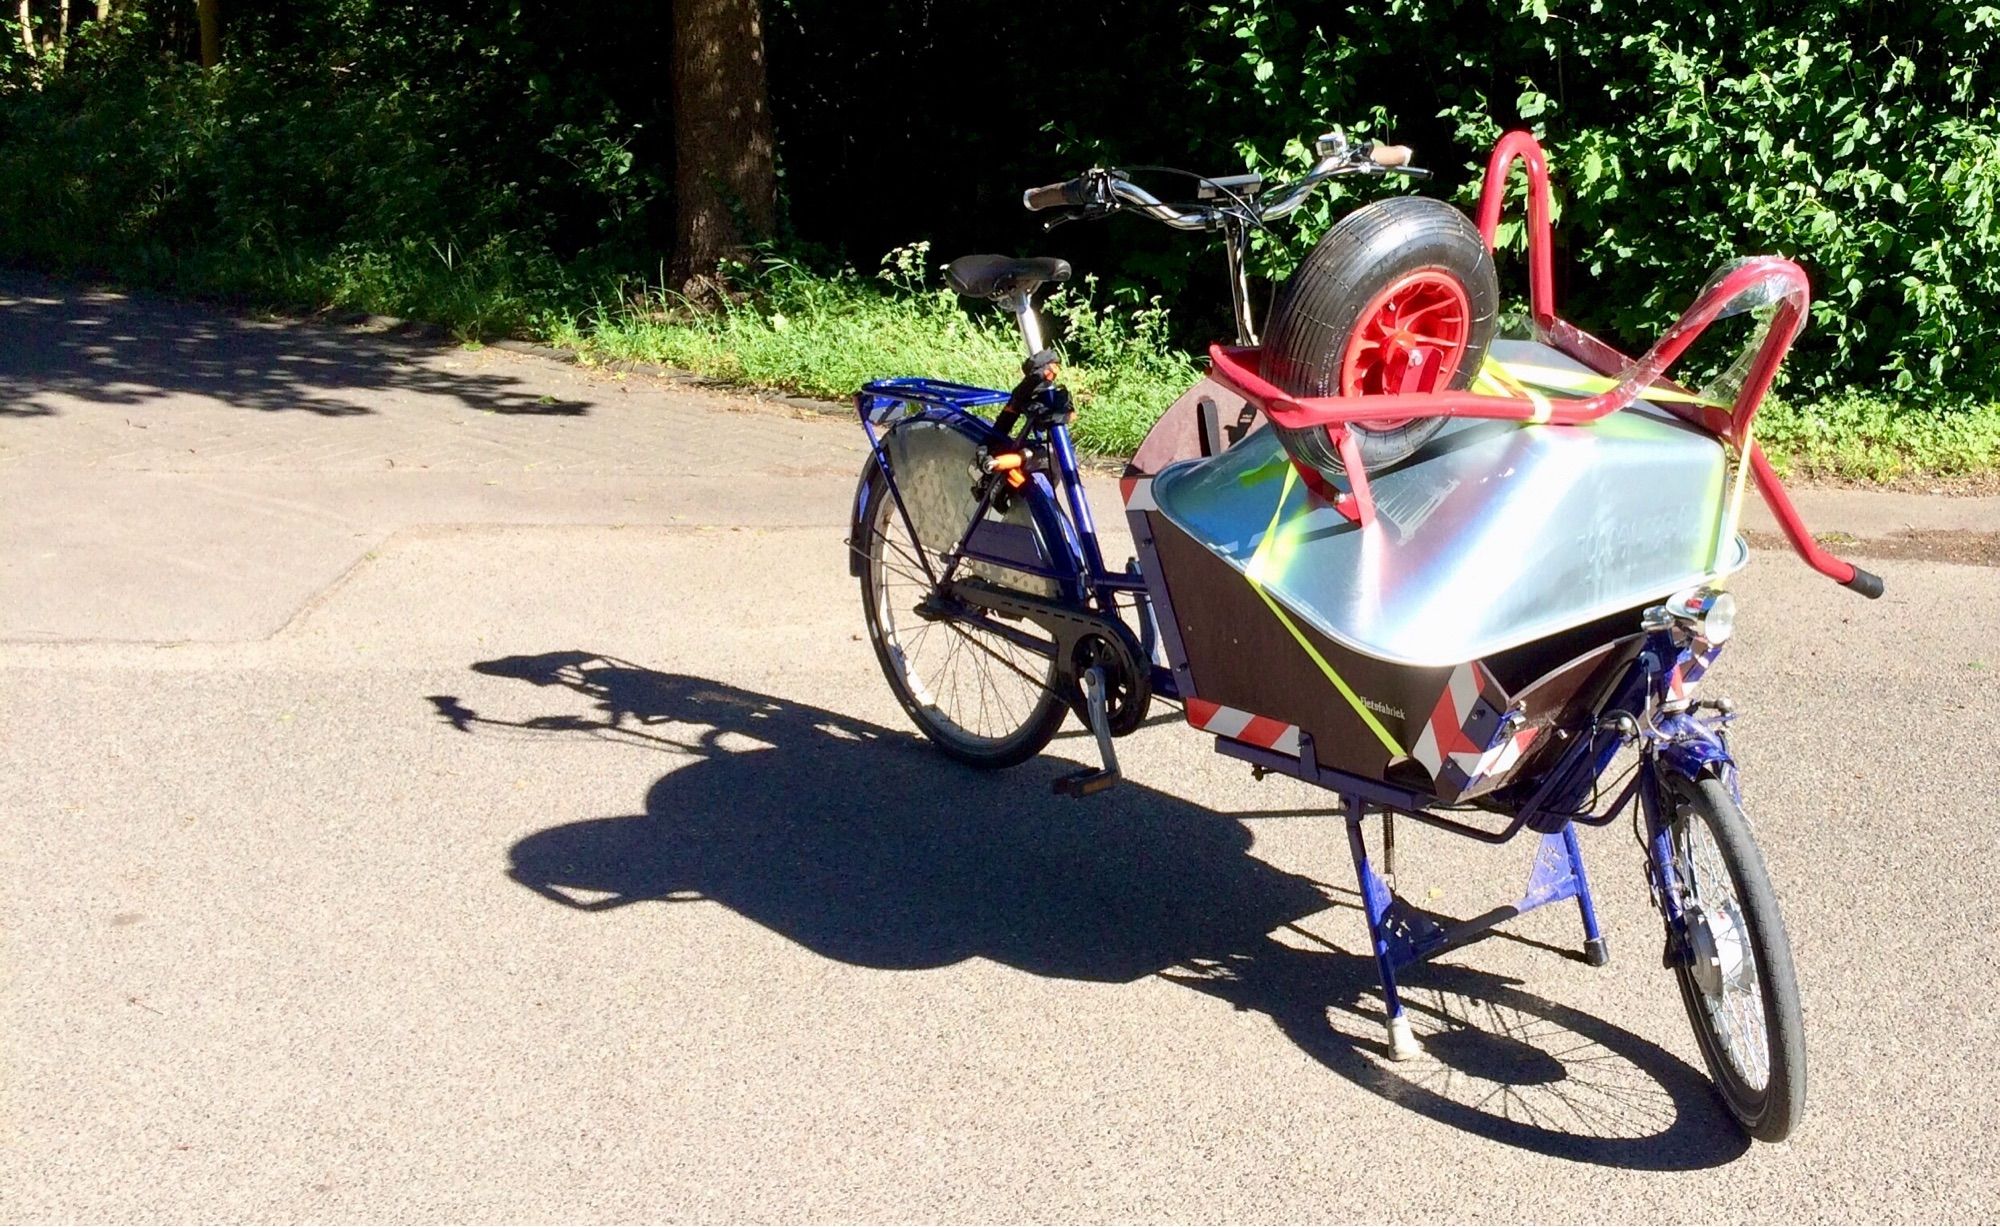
<point x="446" y="784"/>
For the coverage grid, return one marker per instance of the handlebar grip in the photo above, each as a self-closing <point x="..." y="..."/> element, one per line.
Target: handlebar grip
<point x="1072" y="193"/>
<point x="1866" y="583"/>
<point x="1390" y="155"/>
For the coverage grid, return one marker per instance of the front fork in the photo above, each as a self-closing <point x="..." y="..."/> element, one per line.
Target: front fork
<point x="1689" y="746"/>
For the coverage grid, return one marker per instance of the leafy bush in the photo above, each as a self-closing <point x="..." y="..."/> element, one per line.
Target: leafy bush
<point x="1859" y="139"/>
<point x="373" y="156"/>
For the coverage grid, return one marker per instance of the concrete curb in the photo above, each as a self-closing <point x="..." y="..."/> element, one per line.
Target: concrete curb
<point x="1831" y="509"/>
<point x="389" y="325"/>
<point x="670" y="374"/>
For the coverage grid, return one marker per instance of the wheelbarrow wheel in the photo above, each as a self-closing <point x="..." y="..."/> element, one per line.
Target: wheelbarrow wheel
<point x="1400" y="297"/>
<point x="1735" y="962"/>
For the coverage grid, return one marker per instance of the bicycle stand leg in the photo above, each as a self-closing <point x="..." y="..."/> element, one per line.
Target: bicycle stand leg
<point x="1084" y="783"/>
<point x="1375" y="900"/>
<point x="1596" y="950"/>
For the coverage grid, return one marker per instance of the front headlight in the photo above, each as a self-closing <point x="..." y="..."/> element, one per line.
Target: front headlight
<point x="1718" y="621"/>
<point x="1708" y="613"/>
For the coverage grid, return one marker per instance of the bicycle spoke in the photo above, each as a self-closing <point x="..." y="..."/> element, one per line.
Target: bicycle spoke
<point x="1030" y="678"/>
<point x="1736" y="1014"/>
<point x="972" y="682"/>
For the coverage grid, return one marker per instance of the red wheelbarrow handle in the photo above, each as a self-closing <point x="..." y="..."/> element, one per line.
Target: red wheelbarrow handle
<point x="1816" y="556"/>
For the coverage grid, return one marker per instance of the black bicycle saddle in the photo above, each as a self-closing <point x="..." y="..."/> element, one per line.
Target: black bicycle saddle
<point x="998" y="277"/>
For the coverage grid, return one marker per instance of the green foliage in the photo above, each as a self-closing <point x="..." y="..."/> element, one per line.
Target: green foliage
<point x="407" y="160"/>
<point x="497" y="167"/>
<point x="1858" y="437"/>
<point x="1861" y="139"/>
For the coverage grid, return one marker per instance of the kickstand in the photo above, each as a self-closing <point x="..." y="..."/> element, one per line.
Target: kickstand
<point x="1084" y="783"/>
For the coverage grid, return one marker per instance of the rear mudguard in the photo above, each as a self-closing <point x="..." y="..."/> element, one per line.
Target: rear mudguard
<point x="1056" y="544"/>
<point x="872" y="483"/>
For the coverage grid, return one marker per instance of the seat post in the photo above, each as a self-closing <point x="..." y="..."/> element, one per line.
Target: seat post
<point x="1024" y="315"/>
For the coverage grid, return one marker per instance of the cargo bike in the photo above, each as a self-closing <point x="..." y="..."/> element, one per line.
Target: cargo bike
<point x="1448" y="577"/>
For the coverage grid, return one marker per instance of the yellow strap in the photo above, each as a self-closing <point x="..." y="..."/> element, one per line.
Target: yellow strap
<point x="1734" y="517"/>
<point x="1253" y="572"/>
<point x="1504" y="377"/>
<point x="1589" y="383"/>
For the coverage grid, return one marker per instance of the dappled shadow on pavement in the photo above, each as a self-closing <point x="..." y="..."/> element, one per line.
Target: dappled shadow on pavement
<point x="64" y="344"/>
<point x="862" y="845"/>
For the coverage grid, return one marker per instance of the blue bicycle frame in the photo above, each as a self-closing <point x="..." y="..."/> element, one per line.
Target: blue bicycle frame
<point x="1064" y="548"/>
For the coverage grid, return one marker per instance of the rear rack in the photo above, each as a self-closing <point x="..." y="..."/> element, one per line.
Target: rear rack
<point x="876" y="400"/>
<point x="1765" y="280"/>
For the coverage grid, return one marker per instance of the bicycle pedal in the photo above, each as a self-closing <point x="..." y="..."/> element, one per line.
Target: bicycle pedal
<point x="1085" y="783"/>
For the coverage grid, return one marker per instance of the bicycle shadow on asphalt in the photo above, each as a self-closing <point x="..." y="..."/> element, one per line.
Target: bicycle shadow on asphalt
<point x="864" y="845"/>
<point x="123" y="350"/>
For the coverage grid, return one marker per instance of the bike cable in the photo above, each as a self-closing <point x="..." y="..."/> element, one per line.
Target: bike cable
<point x="1243" y="208"/>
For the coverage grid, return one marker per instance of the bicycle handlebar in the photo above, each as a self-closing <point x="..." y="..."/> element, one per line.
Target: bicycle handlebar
<point x="1074" y="193"/>
<point x="1104" y="190"/>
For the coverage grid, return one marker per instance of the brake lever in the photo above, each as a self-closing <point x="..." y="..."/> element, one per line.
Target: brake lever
<point x="1374" y="171"/>
<point x="1076" y="215"/>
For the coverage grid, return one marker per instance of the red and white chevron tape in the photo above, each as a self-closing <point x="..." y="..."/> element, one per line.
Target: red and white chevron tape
<point x="1444" y="736"/>
<point x="1243" y="726"/>
<point x="1463" y="749"/>
<point x="1138" y="493"/>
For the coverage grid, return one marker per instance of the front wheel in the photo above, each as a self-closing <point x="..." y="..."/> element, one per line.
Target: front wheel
<point x="980" y="697"/>
<point x="1735" y="962"/>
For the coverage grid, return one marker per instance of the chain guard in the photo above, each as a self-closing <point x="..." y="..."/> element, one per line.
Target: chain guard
<point x="1082" y="640"/>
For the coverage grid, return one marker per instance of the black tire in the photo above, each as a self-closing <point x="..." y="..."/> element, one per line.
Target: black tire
<point x="1321" y="304"/>
<point x="1768" y="1111"/>
<point x="1026" y="712"/>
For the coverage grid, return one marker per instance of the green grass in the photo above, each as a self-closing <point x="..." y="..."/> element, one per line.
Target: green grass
<point x="486" y="292"/>
<point x="1857" y="437"/>
<point x="819" y="335"/>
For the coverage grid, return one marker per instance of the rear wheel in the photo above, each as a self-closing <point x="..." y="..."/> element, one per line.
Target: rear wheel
<point x="1400" y="297"/>
<point x="1735" y="969"/>
<point x="983" y="699"/>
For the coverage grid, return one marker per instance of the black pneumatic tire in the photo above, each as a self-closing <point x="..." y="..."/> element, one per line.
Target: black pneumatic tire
<point x="889" y="589"/>
<point x="1320" y="306"/>
<point x="1768" y="1113"/>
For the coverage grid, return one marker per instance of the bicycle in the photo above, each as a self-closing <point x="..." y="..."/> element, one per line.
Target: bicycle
<point x="1316" y="582"/>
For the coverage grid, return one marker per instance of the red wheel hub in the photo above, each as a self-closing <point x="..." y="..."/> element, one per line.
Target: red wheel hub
<point x="1411" y="337"/>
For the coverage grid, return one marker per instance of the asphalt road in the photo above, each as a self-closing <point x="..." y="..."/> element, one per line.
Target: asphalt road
<point x="445" y="784"/>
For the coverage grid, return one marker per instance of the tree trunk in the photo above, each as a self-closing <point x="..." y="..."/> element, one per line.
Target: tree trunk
<point x="725" y="181"/>
<point x="104" y="10"/>
<point x="209" y="14"/>
<point x="27" y="30"/>
<point x="62" y="33"/>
